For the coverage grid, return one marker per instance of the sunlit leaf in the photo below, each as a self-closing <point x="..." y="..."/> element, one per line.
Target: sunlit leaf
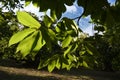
<point x="57" y="29"/>
<point x="26" y="45"/>
<point x="58" y="64"/>
<point x="20" y="36"/>
<point x="52" y="34"/>
<point x="40" y="42"/>
<point x="67" y="50"/>
<point x="85" y="64"/>
<point x="27" y="20"/>
<point x="53" y="15"/>
<point x="67" y="41"/>
<point x="27" y="3"/>
<point x="74" y="47"/>
<point x="51" y="66"/>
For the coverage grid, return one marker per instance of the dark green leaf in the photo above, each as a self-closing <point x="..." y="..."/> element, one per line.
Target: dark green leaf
<point x="47" y="20"/>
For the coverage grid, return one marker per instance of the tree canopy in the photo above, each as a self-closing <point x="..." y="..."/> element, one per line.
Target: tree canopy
<point x="58" y="42"/>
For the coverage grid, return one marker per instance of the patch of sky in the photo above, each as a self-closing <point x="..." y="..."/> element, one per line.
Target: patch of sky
<point x="112" y="2"/>
<point x="75" y="11"/>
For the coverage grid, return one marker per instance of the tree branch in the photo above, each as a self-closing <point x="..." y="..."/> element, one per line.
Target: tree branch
<point x="79" y="17"/>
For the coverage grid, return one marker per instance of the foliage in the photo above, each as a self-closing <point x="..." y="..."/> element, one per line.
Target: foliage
<point x="8" y="27"/>
<point x="10" y="5"/>
<point x="74" y="48"/>
<point x="33" y="38"/>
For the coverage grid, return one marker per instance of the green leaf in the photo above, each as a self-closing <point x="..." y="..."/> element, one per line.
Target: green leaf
<point x="26" y="45"/>
<point x="43" y="63"/>
<point x="27" y="20"/>
<point x="20" y="36"/>
<point x="47" y="20"/>
<point x="91" y="49"/>
<point x="67" y="41"/>
<point x="27" y="3"/>
<point x="64" y="60"/>
<point x="53" y="15"/>
<point x="67" y="50"/>
<point x="51" y="66"/>
<point x="57" y="29"/>
<point x="58" y="64"/>
<point x="47" y="38"/>
<point x="85" y="64"/>
<point x="52" y="34"/>
<point x="40" y="42"/>
<point x="74" y="47"/>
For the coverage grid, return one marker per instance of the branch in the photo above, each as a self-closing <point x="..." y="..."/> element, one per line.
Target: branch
<point x="79" y="17"/>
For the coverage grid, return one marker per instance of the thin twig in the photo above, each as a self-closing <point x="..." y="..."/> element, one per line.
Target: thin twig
<point x="79" y="17"/>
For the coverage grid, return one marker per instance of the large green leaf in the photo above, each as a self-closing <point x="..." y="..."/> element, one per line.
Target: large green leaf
<point x="67" y="41"/>
<point x="25" y="46"/>
<point x="20" y="36"/>
<point x="27" y="20"/>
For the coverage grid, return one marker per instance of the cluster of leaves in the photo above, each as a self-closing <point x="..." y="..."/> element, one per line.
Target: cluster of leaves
<point x="108" y="24"/>
<point x="72" y="51"/>
<point x="10" y="4"/>
<point x="60" y="43"/>
<point x="8" y="26"/>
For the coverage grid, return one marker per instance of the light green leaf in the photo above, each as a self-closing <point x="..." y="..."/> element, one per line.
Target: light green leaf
<point x="43" y="63"/>
<point x="40" y="42"/>
<point x="57" y="29"/>
<point x="52" y="34"/>
<point x="53" y="15"/>
<point x="58" y="65"/>
<point x="27" y="20"/>
<point x="20" y="36"/>
<point x="51" y="66"/>
<point x="26" y="45"/>
<point x="27" y="3"/>
<point x="67" y="41"/>
<point x="74" y="47"/>
<point x="64" y="65"/>
<point x="85" y="64"/>
<point x="67" y="50"/>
